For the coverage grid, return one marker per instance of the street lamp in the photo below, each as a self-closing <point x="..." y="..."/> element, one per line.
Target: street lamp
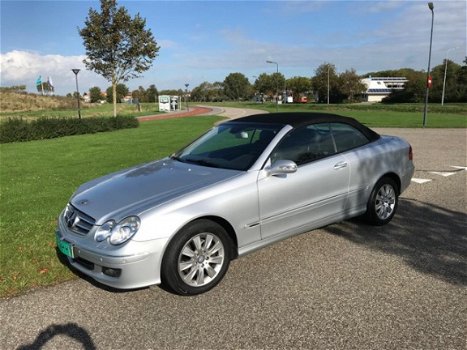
<point x="428" y="78"/>
<point x="329" y="66"/>
<point x="186" y="96"/>
<point x="277" y="83"/>
<point x="445" y="71"/>
<point x="76" y="71"/>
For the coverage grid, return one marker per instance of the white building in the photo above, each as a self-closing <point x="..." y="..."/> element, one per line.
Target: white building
<point x="380" y="87"/>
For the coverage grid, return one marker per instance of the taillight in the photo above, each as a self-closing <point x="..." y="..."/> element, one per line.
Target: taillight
<point x="410" y="153"/>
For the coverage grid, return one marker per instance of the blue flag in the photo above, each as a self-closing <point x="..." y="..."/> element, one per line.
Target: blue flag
<point x="39" y="80"/>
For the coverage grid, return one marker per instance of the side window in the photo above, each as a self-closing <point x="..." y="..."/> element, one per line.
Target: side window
<point x="305" y="144"/>
<point x="347" y="137"/>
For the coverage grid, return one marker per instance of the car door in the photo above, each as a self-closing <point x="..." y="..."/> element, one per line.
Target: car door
<point x="363" y="163"/>
<point x="315" y="193"/>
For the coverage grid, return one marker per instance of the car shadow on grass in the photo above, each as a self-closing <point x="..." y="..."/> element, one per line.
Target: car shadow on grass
<point x="428" y="238"/>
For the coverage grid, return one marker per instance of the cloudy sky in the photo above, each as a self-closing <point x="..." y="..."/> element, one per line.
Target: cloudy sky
<point x="207" y="40"/>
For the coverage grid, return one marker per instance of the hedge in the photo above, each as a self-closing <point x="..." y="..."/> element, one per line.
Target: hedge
<point x="20" y="130"/>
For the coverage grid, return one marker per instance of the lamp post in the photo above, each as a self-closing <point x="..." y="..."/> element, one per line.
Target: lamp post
<point x="76" y="71"/>
<point x="186" y="96"/>
<point x="428" y="82"/>
<point x="277" y="83"/>
<point x="445" y="71"/>
<point x="328" y="81"/>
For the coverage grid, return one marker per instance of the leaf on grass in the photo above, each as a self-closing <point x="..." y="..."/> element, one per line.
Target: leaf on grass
<point x="42" y="271"/>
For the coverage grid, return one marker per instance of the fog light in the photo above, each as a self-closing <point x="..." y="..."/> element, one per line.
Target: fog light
<point x="111" y="272"/>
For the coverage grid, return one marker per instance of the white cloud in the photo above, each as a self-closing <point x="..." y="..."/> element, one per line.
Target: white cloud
<point x="23" y="67"/>
<point x="382" y="6"/>
<point x="400" y="42"/>
<point x="167" y="44"/>
<point x="397" y="41"/>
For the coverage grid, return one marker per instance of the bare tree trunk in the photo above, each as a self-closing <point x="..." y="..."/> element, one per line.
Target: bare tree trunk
<point x="114" y="96"/>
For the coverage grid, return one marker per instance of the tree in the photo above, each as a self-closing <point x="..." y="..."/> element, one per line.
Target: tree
<point x="151" y="94"/>
<point x="414" y="91"/>
<point x="265" y="85"/>
<point x="462" y="82"/>
<point x="122" y="91"/>
<point x="208" y="92"/>
<point x="200" y="92"/>
<point x="118" y="47"/>
<point x="299" y="86"/>
<point x="278" y="81"/>
<point x="95" y="93"/>
<point x="270" y="84"/>
<point x="320" y="83"/>
<point x="146" y="95"/>
<point x="173" y="92"/>
<point x="237" y="86"/>
<point x="350" y="85"/>
<point x="140" y="94"/>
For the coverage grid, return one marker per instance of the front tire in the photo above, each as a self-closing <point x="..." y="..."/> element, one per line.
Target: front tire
<point x="197" y="258"/>
<point x="383" y="202"/>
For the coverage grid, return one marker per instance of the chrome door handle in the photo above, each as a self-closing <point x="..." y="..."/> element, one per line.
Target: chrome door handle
<point x="340" y="165"/>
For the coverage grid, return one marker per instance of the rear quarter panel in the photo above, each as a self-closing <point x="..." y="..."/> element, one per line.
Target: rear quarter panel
<point x="369" y="163"/>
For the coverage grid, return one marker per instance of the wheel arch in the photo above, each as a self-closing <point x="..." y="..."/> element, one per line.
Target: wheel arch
<point x="226" y="226"/>
<point x="394" y="177"/>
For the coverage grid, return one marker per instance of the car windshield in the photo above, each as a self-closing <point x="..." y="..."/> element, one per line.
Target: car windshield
<point x="229" y="146"/>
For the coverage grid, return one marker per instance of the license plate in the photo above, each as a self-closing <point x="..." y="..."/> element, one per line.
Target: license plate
<point x="64" y="246"/>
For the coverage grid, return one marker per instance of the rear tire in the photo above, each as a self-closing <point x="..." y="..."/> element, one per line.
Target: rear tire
<point x="383" y="202"/>
<point x="197" y="258"/>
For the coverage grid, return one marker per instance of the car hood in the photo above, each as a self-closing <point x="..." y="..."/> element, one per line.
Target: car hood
<point x="137" y="189"/>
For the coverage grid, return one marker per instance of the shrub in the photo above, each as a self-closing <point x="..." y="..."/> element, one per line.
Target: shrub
<point x="19" y="130"/>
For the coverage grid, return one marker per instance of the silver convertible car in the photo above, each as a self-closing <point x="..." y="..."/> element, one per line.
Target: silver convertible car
<point x="241" y="186"/>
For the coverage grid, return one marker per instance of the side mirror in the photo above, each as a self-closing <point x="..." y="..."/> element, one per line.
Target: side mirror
<point x="282" y="167"/>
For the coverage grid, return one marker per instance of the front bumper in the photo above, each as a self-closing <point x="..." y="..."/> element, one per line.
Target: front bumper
<point x="134" y="265"/>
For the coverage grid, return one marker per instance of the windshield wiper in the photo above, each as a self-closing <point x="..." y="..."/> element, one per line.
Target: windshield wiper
<point x="174" y="157"/>
<point x="202" y="162"/>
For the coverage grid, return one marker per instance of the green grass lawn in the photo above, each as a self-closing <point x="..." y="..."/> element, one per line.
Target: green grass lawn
<point x="38" y="177"/>
<point x="95" y="110"/>
<point x="377" y="115"/>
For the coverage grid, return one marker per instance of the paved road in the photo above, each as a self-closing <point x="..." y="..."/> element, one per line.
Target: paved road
<point x="226" y="112"/>
<point x="234" y="113"/>
<point x="346" y="286"/>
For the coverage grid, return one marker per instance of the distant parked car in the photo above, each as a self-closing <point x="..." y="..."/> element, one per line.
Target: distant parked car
<point x="243" y="185"/>
<point x="301" y="99"/>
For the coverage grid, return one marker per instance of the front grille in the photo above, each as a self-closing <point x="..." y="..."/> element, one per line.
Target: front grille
<point x="77" y="221"/>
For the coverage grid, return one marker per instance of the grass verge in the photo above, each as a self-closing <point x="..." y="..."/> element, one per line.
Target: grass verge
<point x="38" y="177"/>
<point x="87" y="110"/>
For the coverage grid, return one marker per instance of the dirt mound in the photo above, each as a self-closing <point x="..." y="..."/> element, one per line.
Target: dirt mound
<point x="17" y="102"/>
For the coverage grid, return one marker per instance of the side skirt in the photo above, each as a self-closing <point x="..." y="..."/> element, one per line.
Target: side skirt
<point x="250" y="248"/>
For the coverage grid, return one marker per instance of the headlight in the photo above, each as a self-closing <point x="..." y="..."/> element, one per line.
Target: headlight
<point x="118" y="233"/>
<point x="124" y="230"/>
<point x="104" y="231"/>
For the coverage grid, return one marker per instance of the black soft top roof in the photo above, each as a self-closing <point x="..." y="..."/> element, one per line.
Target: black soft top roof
<point x="305" y="118"/>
